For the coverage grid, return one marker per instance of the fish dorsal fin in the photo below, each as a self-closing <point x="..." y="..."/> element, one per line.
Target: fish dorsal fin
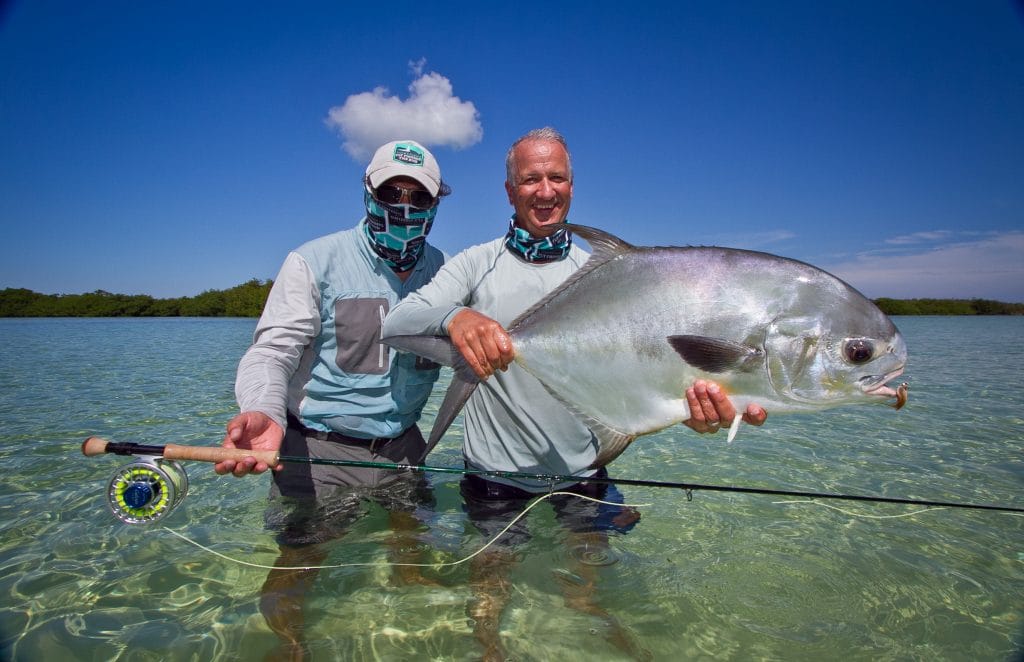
<point x="714" y="354"/>
<point x="610" y="442"/>
<point x="605" y="247"/>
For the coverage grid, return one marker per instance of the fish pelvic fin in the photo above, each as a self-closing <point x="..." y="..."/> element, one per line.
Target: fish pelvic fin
<point x="440" y="349"/>
<point x="715" y="354"/>
<point x="734" y="428"/>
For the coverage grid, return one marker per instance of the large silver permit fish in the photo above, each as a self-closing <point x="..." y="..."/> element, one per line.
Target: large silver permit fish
<point x="620" y="341"/>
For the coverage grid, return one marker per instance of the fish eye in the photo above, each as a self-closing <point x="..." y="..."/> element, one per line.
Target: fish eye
<point x="858" y="350"/>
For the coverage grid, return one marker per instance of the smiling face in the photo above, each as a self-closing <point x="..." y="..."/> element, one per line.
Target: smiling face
<point x="542" y="189"/>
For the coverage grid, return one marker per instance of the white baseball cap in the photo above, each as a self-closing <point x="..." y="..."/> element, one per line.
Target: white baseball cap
<point x="405" y="158"/>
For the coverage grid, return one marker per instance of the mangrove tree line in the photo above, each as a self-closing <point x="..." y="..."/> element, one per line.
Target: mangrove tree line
<point x="247" y="299"/>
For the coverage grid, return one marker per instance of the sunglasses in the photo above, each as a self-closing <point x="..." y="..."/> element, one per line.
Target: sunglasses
<point x="392" y="195"/>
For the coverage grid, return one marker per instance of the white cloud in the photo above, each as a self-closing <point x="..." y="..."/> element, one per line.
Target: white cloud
<point x="920" y="237"/>
<point x="417" y="66"/>
<point x="988" y="268"/>
<point x="431" y="115"/>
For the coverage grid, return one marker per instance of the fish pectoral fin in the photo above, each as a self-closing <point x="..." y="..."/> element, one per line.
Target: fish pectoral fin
<point x="714" y="354"/>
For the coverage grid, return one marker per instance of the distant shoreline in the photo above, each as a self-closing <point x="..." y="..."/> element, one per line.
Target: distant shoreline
<point x="247" y="299"/>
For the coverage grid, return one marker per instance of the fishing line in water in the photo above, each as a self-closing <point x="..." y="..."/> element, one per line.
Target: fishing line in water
<point x="851" y="513"/>
<point x="521" y="515"/>
<point x="389" y="564"/>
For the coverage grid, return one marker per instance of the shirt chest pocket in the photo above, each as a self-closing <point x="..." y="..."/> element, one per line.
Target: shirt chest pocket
<point x="357" y="330"/>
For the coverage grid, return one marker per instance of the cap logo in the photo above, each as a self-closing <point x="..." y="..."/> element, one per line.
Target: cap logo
<point x="408" y="154"/>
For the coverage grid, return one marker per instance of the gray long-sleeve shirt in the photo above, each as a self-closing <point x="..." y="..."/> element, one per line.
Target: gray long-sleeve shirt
<point x="511" y="422"/>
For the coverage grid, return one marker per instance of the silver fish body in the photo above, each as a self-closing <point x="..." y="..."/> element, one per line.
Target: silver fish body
<point x="620" y="341"/>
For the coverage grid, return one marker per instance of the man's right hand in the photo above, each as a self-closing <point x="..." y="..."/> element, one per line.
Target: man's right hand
<point x="483" y="342"/>
<point x="252" y="430"/>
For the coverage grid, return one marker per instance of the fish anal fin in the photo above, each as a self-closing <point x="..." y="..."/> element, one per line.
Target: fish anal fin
<point x="610" y="442"/>
<point x="714" y="354"/>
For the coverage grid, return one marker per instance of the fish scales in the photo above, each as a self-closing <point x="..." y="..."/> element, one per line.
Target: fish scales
<point x="607" y="333"/>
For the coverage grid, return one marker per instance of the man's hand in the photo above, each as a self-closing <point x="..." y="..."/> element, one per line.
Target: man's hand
<point x="483" y="342"/>
<point x="250" y="430"/>
<point x="711" y="409"/>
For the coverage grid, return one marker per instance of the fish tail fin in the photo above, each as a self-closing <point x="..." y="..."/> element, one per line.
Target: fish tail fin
<point x="440" y="349"/>
<point x="463" y="383"/>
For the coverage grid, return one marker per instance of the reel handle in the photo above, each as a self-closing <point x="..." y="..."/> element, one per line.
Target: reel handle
<point x="98" y="446"/>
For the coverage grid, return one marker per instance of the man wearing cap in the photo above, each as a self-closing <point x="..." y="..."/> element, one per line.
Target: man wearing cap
<point x="318" y="383"/>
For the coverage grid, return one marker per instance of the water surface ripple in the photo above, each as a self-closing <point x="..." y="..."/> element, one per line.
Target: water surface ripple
<point x="719" y="577"/>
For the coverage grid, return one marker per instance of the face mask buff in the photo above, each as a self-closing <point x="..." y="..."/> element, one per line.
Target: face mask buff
<point x="531" y="249"/>
<point x="397" y="233"/>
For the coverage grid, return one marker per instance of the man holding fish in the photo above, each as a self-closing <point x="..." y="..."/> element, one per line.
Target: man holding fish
<point x="512" y="423"/>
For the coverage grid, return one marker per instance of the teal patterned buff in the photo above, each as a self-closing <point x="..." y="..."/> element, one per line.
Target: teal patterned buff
<point x="532" y="249"/>
<point x="397" y="233"/>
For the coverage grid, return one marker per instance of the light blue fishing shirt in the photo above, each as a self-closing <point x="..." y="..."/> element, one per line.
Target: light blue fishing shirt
<point x="317" y="353"/>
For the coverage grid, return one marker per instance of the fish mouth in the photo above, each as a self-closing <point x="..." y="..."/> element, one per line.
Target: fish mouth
<point x="879" y="387"/>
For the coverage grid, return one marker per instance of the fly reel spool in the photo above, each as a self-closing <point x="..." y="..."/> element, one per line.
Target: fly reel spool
<point x="146" y="490"/>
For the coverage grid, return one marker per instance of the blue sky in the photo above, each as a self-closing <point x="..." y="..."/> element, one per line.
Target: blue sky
<point x="169" y="148"/>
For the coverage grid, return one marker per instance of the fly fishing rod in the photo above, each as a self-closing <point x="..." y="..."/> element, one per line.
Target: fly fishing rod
<point x="155" y="483"/>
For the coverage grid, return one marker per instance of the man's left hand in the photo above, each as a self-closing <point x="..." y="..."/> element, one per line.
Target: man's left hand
<point x="711" y="409"/>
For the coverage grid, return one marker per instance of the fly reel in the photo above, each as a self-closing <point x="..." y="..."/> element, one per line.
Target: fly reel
<point x="146" y="490"/>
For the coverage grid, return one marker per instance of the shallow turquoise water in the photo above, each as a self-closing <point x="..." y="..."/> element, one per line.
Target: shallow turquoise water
<point x="721" y="576"/>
